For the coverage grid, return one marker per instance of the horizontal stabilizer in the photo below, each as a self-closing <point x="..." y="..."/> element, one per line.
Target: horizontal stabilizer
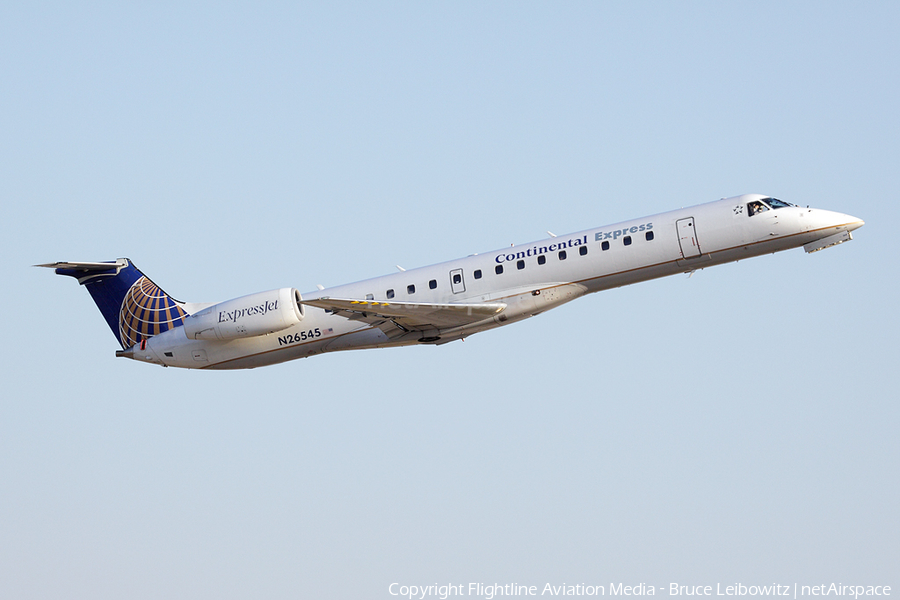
<point x="86" y="266"/>
<point x="408" y="316"/>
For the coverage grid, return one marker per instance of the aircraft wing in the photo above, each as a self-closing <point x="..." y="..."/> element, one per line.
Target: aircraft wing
<point x="397" y="318"/>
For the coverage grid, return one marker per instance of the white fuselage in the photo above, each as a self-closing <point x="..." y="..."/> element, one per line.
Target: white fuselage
<point x="528" y="279"/>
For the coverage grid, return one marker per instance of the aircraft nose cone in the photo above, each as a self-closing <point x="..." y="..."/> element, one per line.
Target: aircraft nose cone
<point x="841" y="221"/>
<point x="854" y="223"/>
<point x="826" y="220"/>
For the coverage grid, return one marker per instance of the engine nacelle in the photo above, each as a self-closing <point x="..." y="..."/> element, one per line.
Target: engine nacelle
<point x="247" y="316"/>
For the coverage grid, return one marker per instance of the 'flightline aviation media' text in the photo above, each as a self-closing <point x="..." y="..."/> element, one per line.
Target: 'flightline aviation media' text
<point x="490" y="591"/>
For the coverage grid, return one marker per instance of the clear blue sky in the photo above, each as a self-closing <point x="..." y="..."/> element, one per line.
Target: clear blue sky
<point x="737" y="426"/>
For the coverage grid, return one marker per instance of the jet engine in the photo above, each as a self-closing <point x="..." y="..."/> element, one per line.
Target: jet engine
<point x="247" y="316"/>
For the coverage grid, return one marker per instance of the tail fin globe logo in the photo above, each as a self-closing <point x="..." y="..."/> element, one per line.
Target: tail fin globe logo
<point x="147" y="311"/>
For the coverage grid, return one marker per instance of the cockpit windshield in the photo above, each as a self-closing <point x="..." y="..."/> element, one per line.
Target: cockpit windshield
<point x="776" y="203"/>
<point x="760" y="206"/>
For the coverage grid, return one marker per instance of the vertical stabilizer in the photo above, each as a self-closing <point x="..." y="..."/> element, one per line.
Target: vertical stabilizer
<point x="134" y="307"/>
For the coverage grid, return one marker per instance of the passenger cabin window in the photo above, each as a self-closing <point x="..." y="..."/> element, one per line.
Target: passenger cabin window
<point x="626" y="240"/>
<point x="649" y="236"/>
<point x="410" y="289"/>
<point x="390" y="294"/>
<point x="370" y="296"/>
<point x="498" y="269"/>
<point x="562" y="255"/>
<point x="604" y="245"/>
<point x="520" y="265"/>
<point x="583" y="250"/>
<point x="432" y="284"/>
<point x="542" y="259"/>
<point x="477" y="274"/>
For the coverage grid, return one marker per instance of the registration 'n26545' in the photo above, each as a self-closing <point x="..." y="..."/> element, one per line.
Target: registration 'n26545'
<point x="296" y="338"/>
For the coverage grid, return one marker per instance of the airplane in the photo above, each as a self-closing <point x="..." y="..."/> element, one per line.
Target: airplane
<point x="448" y="301"/>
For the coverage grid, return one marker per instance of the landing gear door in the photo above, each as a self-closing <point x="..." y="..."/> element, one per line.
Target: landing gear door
<point x="687" y="237"/>
<point x="457" y="283"/>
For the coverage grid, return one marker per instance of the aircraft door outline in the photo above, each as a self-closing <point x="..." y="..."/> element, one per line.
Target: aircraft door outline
<point x="687" y="238"/>
<point x="457" y="283"/>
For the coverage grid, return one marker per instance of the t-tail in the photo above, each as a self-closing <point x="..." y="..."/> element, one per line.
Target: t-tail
<point x="134" y="307"/>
